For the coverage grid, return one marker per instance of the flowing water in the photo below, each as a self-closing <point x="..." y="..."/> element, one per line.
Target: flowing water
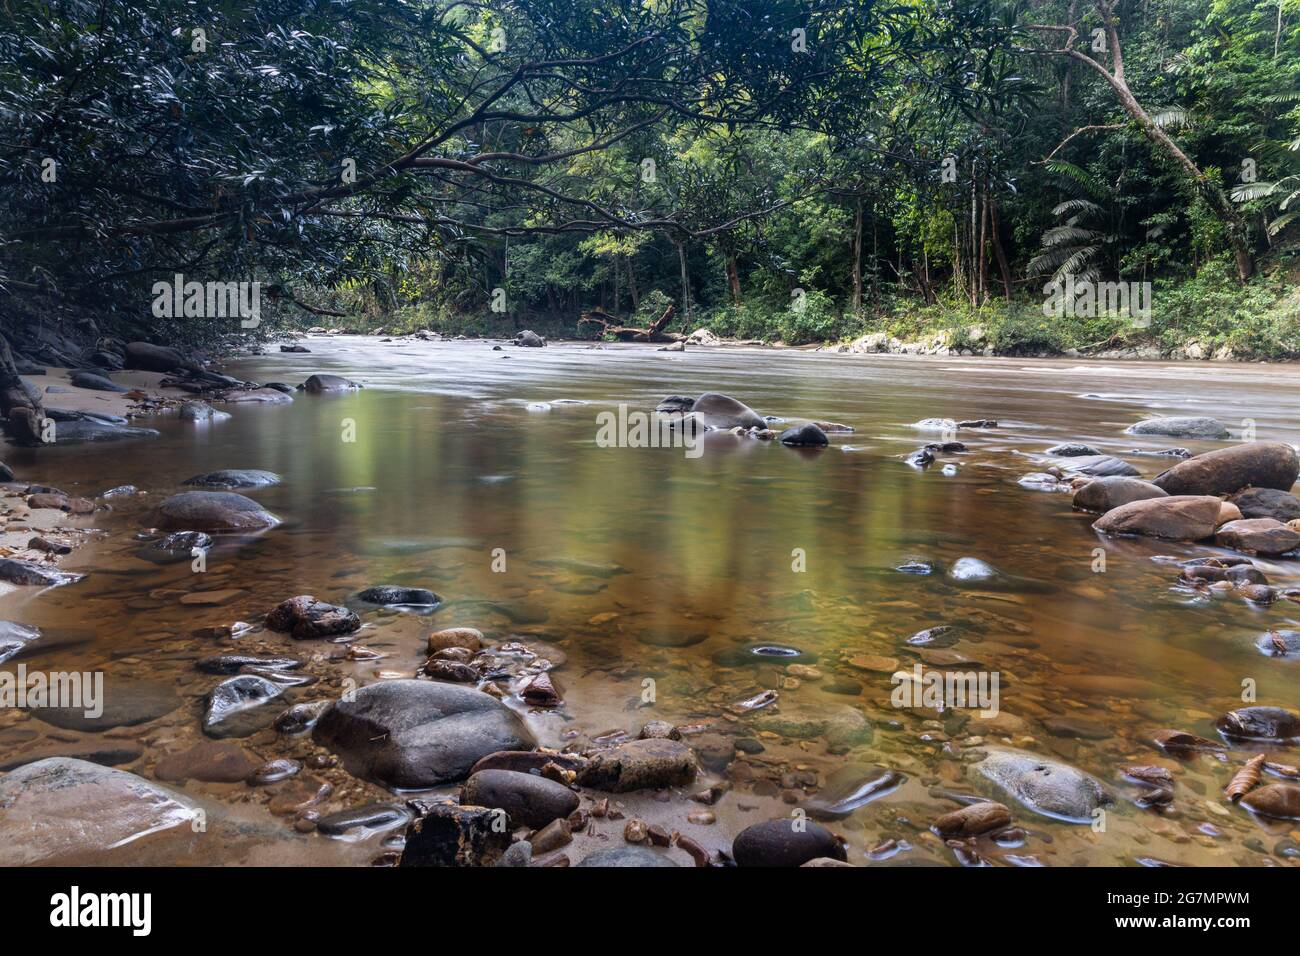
<point x="654" y="572"/>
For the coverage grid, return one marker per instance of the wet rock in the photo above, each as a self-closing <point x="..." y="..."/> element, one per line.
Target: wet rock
<point x="628" y="855"/>
<point x="980" y="575"/>
<point x="1101" y="466"/>
<point x="520" y="853"/>
<point x="305" y="618"/>
<point x="196" y="412"/>
<point x="296" y="348"/>
<point x="6" y="473"/>
<point x="715" y="752"/>
<point x="675" y="403"/>
<point x="82" y="427"/>
<point x="528" y="339"/>
<point x="842" y="725"/>
<point x="714" y="410"/>
<point x="155" y="358"/>
<point x="300" y="717"/>
<point x="448" y="835"/>
<point x="30" y="574"/>
<point x="373" y="817"/>
<point x="1106" y="494"/>
<point x="107" y="753"/>
<point x="1073" y="450"/>
<point x="466" y="637"/>
<point x="175" y="547"/>
<point x="1266" y="536"/>
<point x="1279" y="800"/>
<point x="667" y="634"/>
<point x="1045" y="786"/>
<point x="1267" y="503"/>
<point x="973" y="820"/>
<point x="233" y="706"/>
<point x="940" y="636"/>
<point x="273" y="394"/>
<point x="1177" y="518"/>
<point x="787" y="842"/>
<point x="806" y="435"/>
<point x="234" y="663"/>
<point x="530" y="761"/>
<point x="385" y="595"/>
<point x="212" y="511"/>
<point x="1262" y="724"/>
<point x="1229" y="470"/>
<point x="14" y="637"/>
<point x="1274" y="643"/>
<point x="316" y="384"/>
<point x="125" y="703"/>
<point x="851" y="787"/>
<point x="273" y="771"/>
<point x="235" y="478"/>
<point x="540" y="690"/>
<point x="660" y="729"/>
<point x="450" y="670"/>
<point x="1080" y="728"/>
<point x="1185" y="427"/>
<point x="417" y="734"/>
<point x="209" y="761"/>
<point x="639" y="765"/>
<point x="98" y="383"/>
<point x="66" y="810"/>
<point x="529" y="799"/>
<point x="766" y="653"/>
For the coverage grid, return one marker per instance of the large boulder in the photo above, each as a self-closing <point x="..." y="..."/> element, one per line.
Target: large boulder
<point x="806" y="435"/>
<point x="1228" y="470"/>
<point x="1177" y="518"/>
<point x="1188" y="427"/>
<point x="417" y="734"/>
<point x="1266" y="536"/>
<point x="1043" y="785"/>
<point x="1267" y="503"/>
<point x="212" y="511"/>
<point x="714" y="410"/>
<point x="156" y="358"/>
<point x="1106" y="494"/>
<point x="63" y="810"/>
<point x="529" y="339"/>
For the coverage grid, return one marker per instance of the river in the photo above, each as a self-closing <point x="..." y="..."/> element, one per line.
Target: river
<point x="477" y="473"/>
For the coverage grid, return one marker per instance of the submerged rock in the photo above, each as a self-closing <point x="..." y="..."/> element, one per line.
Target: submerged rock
<point x="1045" y="786"/>
<point x="1185" y="427"/>
<point x="979" y="575"/>
<point x="212" y="511"/>
<point x="528" y="339"/>
<point x="67" y="810"/>
<point x="232" y="704"/>
<point x="417" y="734"/>
<point x="372" y="817"/>
<point x="306" y="618"/>
<point x="14" y="637"/>
<point x="851" y="787"/>
<point x="1106" y="494"/>
<point x="1073" y="450"/>
<point x="235" y="478"/>
<point x="1101" y="466"/>
<point x="1177" y="518"/>
<point x="124" y="703"/>
<point x="316" y="384"/>
<point x="177" y="546"/>
<point x="714" y="410"/>
<point x="626" y="856"/>
<point x="385" y="595"/>
<point x="30" y="574"/>
<point x="1228" y="470"/>
<point x="1261" y="724"/>
<point x="787" y="842"/>
<point x="208" y="761"/>
<point x="1279" y="800"/>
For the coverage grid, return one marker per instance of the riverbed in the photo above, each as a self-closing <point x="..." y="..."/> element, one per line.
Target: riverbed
<point x="477" y="473"/>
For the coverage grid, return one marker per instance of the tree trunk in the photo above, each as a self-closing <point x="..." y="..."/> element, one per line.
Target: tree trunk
<point x="997" y="248"/>
<point x="686" y="289"/>
<point x="857" y="257"/>
<point x="733" y="279"/>
<point x="631" y="286"/>
<point x="22" y="415"/>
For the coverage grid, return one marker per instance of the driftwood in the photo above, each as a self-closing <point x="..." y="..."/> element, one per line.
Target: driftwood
<point x="22" y="413"/>
<point x="610" y="325"/>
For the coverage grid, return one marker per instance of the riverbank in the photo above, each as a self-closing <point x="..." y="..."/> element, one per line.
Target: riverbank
<point x="662" y="598"/>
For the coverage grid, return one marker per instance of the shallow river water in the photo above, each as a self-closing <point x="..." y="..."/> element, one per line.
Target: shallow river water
<point x="654" y="572"/>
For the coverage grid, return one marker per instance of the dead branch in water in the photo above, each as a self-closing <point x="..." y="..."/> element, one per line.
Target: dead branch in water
<point x="611" y="326"/>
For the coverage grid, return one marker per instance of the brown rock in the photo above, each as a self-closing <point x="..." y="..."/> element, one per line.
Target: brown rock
<point x="1228" y="512"/>
<point x="304" y="617"/>
<point x="466" y="637"/>
<point x="1266" y="536"/>
<point x="639" y="764"/>
<point x="1228" y="470"/>
<point x="1177" y="518"/>
<point x="1105" y="494"/>
<point x="210" y="761"/>
<point x="1281" y="800"/>
<point x="973" y="820"/>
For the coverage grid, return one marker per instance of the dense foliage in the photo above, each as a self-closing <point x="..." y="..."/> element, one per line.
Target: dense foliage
<point x="800" y="171"/>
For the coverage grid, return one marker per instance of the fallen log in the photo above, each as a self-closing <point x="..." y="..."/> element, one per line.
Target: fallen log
<point x="610" y="325"/>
